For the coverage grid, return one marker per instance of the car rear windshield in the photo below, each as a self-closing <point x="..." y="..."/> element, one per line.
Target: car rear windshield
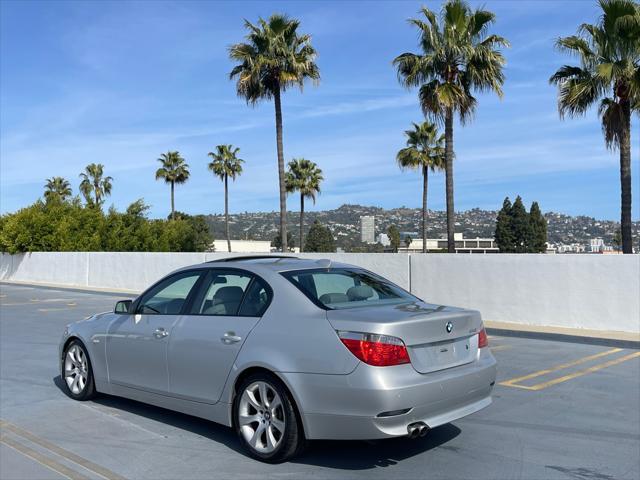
<point x="347" y="288"/>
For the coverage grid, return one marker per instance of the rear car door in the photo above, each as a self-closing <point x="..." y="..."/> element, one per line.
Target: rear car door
<point x="136" y="343"/>
<point x="205" y="342"/>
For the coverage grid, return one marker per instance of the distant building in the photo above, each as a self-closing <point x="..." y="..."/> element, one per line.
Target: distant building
<point x="368" y="229"/>
<point x="463" y="245"/>
<point x="383" y="239"/>
<point x="596" y="245"/>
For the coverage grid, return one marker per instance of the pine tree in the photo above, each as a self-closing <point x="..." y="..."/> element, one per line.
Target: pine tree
<point x="319" y="239"/>
<point x="538" y="241"/>
<point x="504" y="234"/>
<point x="520" y="226"/>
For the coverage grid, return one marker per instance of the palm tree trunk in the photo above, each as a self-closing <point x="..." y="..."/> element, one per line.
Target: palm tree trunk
<point x="283" y="191"/>
<point x="425" y="181"/>
<point x="625" y="179"/>
<point x="226" y="211"/>
<point x="448" y="155"/>
<point x="173" y="205"/>
<point x="301" y="219"/>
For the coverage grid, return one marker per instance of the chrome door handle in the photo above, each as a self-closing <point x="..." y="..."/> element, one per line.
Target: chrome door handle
<point x="160" y="333"/>
<point x="230" y="337"/>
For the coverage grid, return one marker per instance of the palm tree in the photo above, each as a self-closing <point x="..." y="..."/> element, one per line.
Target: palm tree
<point x="458" y="57"/>
<point x="93" y="186"/>
<point x="424" y="151"/>
<point x="609" y="71"/>
<point x="274" y="58"/>
<point x="226" y="164"/>
<point x="305" y="177"/>
<point x="57" y="189"/>
<point x="173" y="170"/>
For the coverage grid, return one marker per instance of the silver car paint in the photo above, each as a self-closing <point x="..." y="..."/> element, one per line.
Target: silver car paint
<point x="337" y="395"/>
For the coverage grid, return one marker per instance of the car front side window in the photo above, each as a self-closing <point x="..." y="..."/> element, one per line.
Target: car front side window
<point x="169" y="296"/>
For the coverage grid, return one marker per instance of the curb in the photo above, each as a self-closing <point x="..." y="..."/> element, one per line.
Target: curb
<point x="562" y="337"/>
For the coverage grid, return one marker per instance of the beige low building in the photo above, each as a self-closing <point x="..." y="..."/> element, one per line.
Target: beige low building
<point x="463" y="245"/>
<point x="242" y="246"/>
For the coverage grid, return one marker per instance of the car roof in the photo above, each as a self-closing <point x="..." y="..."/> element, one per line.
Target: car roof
<point x="278" y="263"/>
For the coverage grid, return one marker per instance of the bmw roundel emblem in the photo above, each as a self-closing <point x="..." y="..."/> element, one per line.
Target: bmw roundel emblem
<point x="449" y="327"/>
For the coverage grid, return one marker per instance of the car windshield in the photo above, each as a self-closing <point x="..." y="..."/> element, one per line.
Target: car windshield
<point x="347" y="288"/>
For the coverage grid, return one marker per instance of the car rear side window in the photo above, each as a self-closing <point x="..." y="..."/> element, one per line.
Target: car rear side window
<point x="256" y="300"/>
<point x="223" y="293"/>
<point x="347" y="288"/>
<point x="231" y="293"/>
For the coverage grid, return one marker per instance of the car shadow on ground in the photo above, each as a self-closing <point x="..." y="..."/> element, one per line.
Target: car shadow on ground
<point x="338" y="454"/>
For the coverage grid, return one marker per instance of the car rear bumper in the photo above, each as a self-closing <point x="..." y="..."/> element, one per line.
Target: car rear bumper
<point x="348" y="407"/>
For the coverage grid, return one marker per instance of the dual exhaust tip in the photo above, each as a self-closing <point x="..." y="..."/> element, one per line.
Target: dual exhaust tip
<point x="417" y="429"/>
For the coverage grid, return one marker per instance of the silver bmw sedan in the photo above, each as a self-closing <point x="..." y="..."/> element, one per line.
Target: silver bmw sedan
<point x="286" y="350"/>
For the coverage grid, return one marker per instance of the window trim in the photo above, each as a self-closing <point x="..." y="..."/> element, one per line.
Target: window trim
<point x="232" y="271"/>
<point x="289" y="274"/>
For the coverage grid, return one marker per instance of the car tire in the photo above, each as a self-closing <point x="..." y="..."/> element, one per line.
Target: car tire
<point x="76" y="372"/>
<point x="266" y="420"/>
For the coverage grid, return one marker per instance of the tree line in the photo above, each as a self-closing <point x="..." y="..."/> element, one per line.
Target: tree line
<point x="458" y="58"/>
<point x="70" y="225"/>
<point x="519" y="231"/>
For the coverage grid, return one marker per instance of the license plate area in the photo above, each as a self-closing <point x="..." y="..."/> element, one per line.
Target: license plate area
<point x="435" y="356"/>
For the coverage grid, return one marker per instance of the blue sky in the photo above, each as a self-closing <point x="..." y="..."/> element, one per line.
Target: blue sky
<point x="119" y="83"/>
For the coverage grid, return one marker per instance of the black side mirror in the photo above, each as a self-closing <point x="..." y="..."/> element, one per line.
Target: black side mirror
<point x="123" y="306"/>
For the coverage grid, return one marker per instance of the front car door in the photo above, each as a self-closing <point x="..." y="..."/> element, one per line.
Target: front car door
<point x="205" y="342"/>
<point x="137" y="342"/>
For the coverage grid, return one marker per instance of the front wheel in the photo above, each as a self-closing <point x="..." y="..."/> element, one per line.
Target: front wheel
<point x="77" y="373"/>
<point x="265" y="419"/>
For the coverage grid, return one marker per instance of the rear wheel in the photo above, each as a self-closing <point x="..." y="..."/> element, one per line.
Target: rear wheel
<point x="266" y="420"/>
<point x="77" y="373"/>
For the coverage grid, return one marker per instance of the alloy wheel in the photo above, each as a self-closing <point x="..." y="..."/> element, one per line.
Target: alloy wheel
<point x="76" y="370"/>
<point x="261" y="417"/>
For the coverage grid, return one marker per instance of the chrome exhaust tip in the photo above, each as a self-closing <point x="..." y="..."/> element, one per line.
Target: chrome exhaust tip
<point x="417" y="429"/>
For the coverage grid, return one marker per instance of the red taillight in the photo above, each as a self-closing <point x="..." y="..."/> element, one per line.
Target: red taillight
<point x="483" y="340"/>
<point x="376" y="350"/>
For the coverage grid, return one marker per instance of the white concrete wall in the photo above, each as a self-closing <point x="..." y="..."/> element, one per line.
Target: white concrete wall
<point x="599" y="292"/>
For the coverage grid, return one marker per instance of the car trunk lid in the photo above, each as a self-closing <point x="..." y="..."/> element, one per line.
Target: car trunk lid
<point x="436" y="337"/>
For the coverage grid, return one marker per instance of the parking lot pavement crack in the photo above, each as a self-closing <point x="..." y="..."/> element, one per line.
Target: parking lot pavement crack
<point x="581" y="473"/>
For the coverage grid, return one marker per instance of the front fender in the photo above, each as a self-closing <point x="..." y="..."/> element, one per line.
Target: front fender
<point x="92" y="333"/>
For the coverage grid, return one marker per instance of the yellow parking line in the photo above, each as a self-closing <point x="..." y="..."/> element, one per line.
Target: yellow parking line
<point x="595" y="368"/>
<point x="42" y="459"/>
<point x="93" y="467"/>
<point x="579" y="373"/>
<point x="562" y="366"/>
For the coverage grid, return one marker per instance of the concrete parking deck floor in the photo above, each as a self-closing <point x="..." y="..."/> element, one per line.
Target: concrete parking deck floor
<point x="561" y="411"/>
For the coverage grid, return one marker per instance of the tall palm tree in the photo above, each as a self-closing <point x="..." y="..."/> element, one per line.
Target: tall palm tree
<point x="305" y="177"/>
<point x="225" y="165"/>
<point x="424" y="151"/>
<point x="273" y="58"/>
<point x="57" y="189"/>
<point x="458" y="56"/>
<point x="173" y="170"/>
<point x="94" y="187"/>
<point x="609" y="72"/>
